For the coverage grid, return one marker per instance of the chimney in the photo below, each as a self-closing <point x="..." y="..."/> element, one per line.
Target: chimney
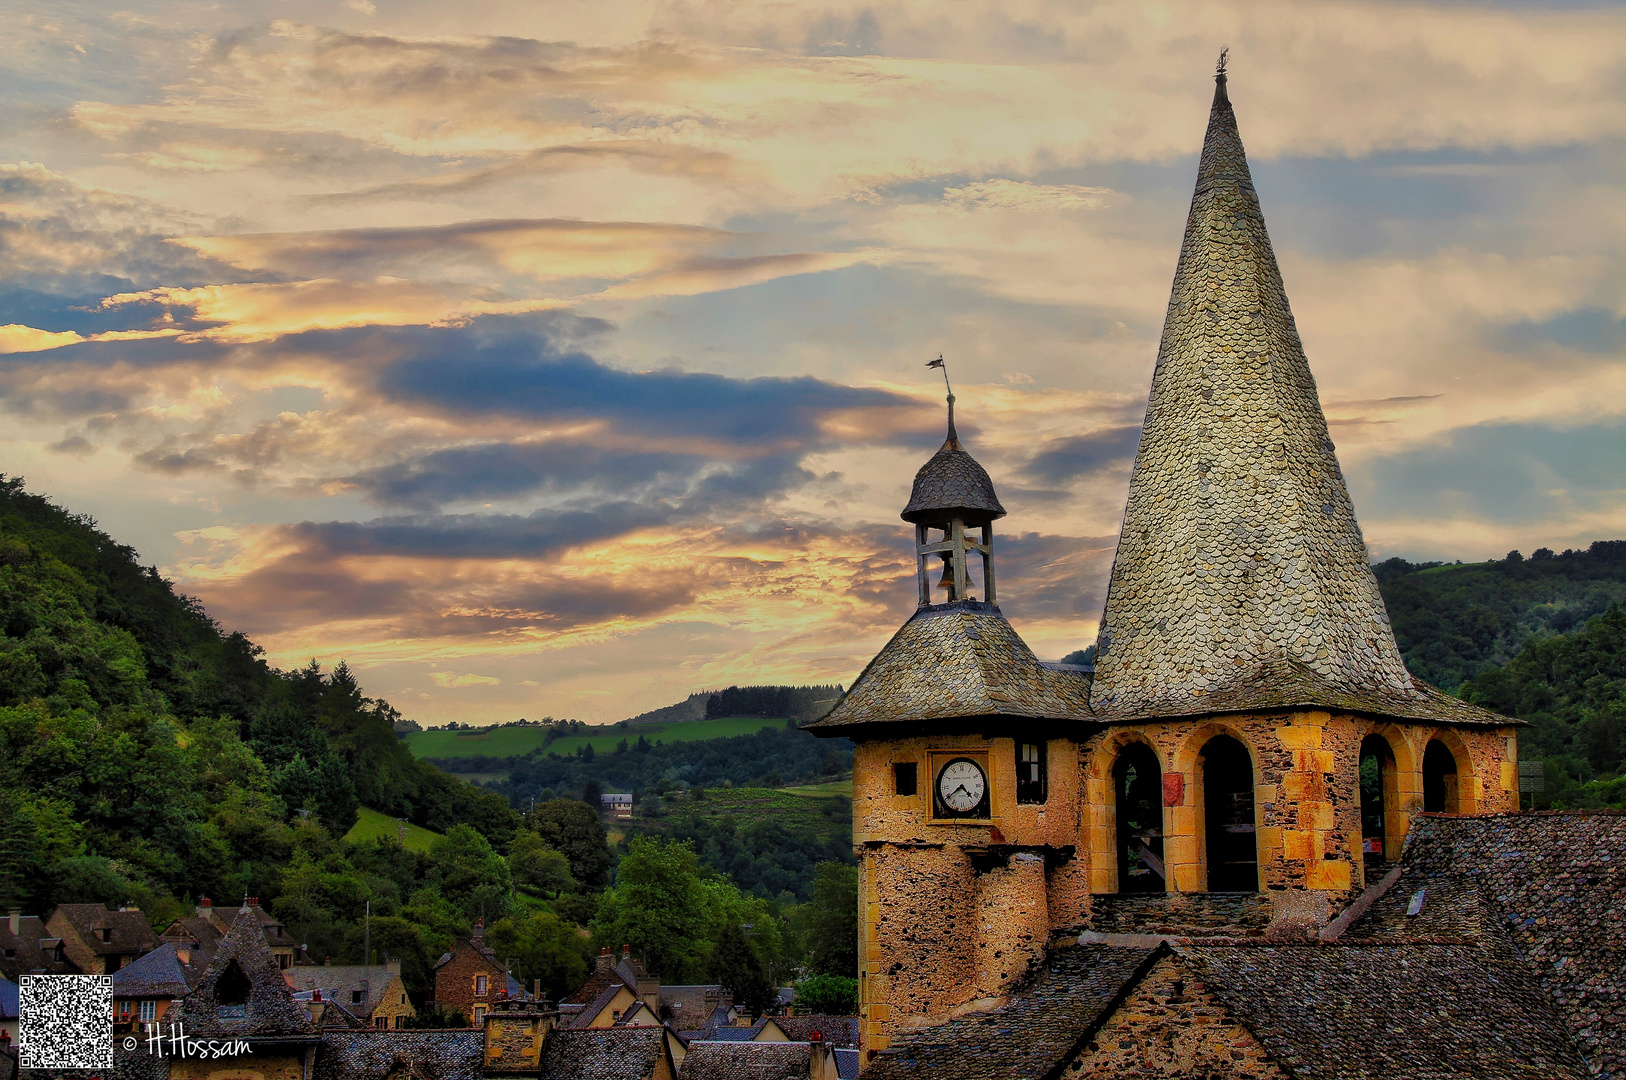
<point x="316" y="994"/>
<point x="604" y="961"/>
<point x="392" y="964"/>
<point x="536" y="989"/>
<point x="254" y="901"/>
<point x="479" y="929"/>
<point x="16" y="921"/>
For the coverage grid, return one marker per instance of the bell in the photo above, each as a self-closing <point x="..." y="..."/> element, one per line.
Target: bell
<point x="947" y="580"/>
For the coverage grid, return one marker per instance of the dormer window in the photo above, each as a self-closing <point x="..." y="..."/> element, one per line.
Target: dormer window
<point x="107" y="934"/>
<point x="231" y="991"/>
<point x="355" y="997"/>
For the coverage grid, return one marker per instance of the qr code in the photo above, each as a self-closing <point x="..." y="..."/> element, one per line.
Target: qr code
<point x="65" y="1021"/>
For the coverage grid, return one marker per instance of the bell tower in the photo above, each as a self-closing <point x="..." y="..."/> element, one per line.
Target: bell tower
<point x="965" y="777"/>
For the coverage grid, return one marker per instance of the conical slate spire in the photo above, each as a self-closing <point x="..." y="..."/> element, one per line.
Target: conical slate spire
<point x="1240" y="558"/>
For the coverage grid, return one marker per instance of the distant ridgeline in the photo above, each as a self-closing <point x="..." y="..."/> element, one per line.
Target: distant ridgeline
<point x="798" y="703"/>
<point x="1455" y="621"/>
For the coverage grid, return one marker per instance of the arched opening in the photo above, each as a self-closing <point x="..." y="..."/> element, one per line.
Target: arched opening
<point x="1137" y="784"/>
<point x="1377" y="796"/>
<point x="1440" y="794"/>
<point x="1232" y="847"/>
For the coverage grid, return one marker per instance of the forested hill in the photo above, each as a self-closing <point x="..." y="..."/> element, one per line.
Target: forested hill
<point x="137" y="738"/>
<point x="1453" y="621"/>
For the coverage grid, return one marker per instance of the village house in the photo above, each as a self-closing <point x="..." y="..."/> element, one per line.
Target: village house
<point x="619" y="992"/>
<point x="470" y="979"/>
<point x="1166" y="865"/>
<point x="26" y="946"/>
<point x="374" y="993"/>
<point x="204" y="929"/>
<point x="144" y="989"/>
<point x="99" y="940"/>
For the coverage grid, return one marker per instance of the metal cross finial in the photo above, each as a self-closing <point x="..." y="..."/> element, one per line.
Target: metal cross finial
<point x="1219" y="68"/>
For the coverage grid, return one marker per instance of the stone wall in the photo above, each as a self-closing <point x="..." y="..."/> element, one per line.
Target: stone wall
<point x="1171" y="1026"/>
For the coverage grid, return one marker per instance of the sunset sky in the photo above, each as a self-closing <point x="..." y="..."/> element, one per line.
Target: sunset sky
<point x="566" y="358"/>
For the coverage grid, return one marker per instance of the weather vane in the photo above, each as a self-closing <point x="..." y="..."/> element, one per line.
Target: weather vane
<point x="943" y="367"/>
<point x="1219" y="68"/>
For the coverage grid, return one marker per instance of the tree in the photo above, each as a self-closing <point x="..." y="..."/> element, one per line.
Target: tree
<point x="735" y="965"/>
<point x="832" y="934"/>
<point x="538" y="867"/>
<point x="655" y="906"/>
<point x="831" y="995"/>
<point x="470" y="873"/>
<point x="542" y="947"/>
<point x="574" y="828"/>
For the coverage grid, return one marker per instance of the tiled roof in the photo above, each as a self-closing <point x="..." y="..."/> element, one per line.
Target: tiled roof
<point x="1239" y="543"/>
<point x="952" y="484"/>
<point x="848" y="1064"/>
<point x="690" y="1006"/>
<point x="592" y="1009"/>
<point x="192" y="928"/>
<point x="602" y="1053"/>
<point x="452" y="1054"/>
<point x="1554" y="882"/>
<point x="338" y="981"/>
<point x="953" y="660"/>
<point x="745" y="1061"/>
<point x="28" y="951"/>
<point x="602" y="975"/>
<point x="1033" y="1033"/>
<point x="159" y="974"/>
<point x="836" y="1030"/>
<point x="1420" y="1011"/>
<point x="129" y="930"/>
<point x="8" y="999"/>
<point x="271" y="1010"/>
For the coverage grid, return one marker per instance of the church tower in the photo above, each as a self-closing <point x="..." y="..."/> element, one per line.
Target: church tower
<point x="1249" y="749"/>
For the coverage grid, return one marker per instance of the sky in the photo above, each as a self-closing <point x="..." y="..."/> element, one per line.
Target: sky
<point x="542" y="358"/>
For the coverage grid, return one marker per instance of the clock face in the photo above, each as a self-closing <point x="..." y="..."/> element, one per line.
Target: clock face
<point x="961" y="785"/>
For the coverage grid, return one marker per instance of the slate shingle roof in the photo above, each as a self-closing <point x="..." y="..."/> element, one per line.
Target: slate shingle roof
<point x="602" y="1053"/>
<point x="1239" y="544"/>
<point x="159" y="974"/>
<point x="271" y="1010"/>
<point x="952" y="484"/>
<point x="338" y="981"/>
<point x="836" y="1030"/>
<point x="1555" y="883"/>
<point x="957" y="660"/>
<point x="32" y="948"/>
<point x="450" y="1054"/>
<point x="745" y="1061"/>
<point x="1420" y="1011"/>
<point x="129" y="931"/>
<point x="1034" y="1032"/>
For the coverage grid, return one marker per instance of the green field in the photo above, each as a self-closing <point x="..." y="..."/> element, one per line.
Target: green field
<point x="373" y="824"/>
<point x="824" y="791"/>
<point x="808" y="808"/>
<point x="514" y="741"/>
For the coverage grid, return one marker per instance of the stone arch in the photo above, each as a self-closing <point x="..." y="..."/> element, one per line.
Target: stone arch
<point x="1400" y="794"/>
<point x="1101" y="809"/>
<point x="1448" y="781"/>
<point x="1221" y="809"/>
<point x="1137" y="790"/>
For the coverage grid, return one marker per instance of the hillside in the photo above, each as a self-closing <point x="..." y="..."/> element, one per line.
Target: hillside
<point x="769" y="842"/>
<point x="1453" y="621"/>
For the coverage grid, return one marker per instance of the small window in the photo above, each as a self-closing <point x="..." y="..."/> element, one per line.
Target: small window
<point x="355" y="997"/>
<point x="480" y="985"/>
<point x="148" y="1011"/>
<point x="381" y="1021"/>
<point x="904" y="777"/>
<point x="479" y="1014"/>
<point x="1030" y="772"/>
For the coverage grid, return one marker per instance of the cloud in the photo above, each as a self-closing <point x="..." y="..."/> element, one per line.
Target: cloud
<point x="447" y="680"/>
<point x="1061" y="460"/>
<point x="1025" y="196"/>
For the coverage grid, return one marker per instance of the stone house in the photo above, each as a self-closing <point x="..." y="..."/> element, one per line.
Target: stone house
<point x="26" y="946"/>
<point x="204" y="929"/>
<point x="621" y="993"/>
<point x="1168" y="864"/>
<point x="99" y="940"/>
<point x="144" y="989"/>
<point x="470" y="978"/>
<point x="375" y="993"/>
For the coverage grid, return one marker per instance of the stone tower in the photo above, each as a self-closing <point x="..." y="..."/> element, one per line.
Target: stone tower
<point x="1249" y="746"/>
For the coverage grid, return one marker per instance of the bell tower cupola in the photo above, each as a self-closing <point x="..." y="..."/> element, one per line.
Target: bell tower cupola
<point x="952" y="496"/>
